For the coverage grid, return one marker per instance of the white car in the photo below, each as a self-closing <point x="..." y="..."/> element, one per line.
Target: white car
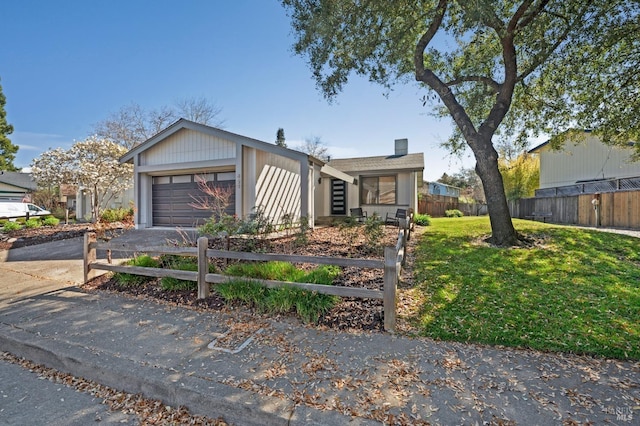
<point x="15" y="210"/>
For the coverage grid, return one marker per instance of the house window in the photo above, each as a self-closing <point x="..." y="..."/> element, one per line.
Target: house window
<point x="378" y="190"/>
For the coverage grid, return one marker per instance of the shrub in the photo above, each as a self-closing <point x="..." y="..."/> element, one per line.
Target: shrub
<point x="117" y="215"/>
<point x="453" y="213"/>
<point x="350" y="230"/>
<point x="374" y="232"/>
<point x="34" y="222"/>
<point x="126" y="280"/>
<point x="226" y="223"/>
<point x="422" y="219"/>
<point x="51" y="221"/>
<point x="59" y="212"/>
<point x="11" y="226"/>
<point x="302" y="237"/>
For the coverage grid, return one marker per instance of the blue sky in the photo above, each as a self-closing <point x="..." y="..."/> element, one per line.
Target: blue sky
<point x="67" y="65"/>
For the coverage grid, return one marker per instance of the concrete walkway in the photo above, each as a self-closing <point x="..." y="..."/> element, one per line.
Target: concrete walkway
<point x="258" y="370"/>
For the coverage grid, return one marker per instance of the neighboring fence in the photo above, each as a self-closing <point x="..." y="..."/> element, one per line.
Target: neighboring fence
<point x="620" y="209"/>
<point x="610" y="185"/>
<point x="394" y="258"/>
<point x="436" y="205"/>
<point x="475" y="209"/>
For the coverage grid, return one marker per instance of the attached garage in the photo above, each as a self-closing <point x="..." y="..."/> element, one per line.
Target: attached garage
<point x="258" y="174"/>
<point x="174" y="199"/>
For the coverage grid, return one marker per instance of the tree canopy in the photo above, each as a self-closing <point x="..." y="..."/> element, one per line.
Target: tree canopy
<point x="7" y="149"/>
<point x="315" y="147"/>
<point x="93" y="165"/>
<point x="494" y="67"/>
<point x="280" y="139"/>
<point x="132" y="124"/>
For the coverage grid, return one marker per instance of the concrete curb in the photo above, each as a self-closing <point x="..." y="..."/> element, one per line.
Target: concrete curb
<point x="200" y="396"/>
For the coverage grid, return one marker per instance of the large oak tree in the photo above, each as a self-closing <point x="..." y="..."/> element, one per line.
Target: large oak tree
<point x="485" y="63"/>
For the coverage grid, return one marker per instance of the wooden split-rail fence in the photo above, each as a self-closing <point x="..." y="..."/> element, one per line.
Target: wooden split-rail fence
<point x="394" y="258"/>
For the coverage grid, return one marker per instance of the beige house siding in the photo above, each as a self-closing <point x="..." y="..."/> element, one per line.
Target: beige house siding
<point x="277" y="186"/>
<point x="276" y="179"/>
<point x="586" y="160"/>
<point x="406" y="194"/>
<point x="187" y="145"/>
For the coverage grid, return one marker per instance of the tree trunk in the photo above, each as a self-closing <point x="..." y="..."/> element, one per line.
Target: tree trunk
<point x="503" y="232"/>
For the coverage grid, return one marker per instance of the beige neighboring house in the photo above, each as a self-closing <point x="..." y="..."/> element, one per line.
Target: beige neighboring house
<point x="279" y="180"/>
<point x="586" y="160"/>
<point x="16" y="186"/>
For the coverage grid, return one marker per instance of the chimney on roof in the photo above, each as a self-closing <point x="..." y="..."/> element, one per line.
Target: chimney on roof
<point x="402" y="146"/>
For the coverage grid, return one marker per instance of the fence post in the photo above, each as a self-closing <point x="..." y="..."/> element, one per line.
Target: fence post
<point x="390" y="285"/>
<point x="203" y="268"/>
<point x="89" y="255"/>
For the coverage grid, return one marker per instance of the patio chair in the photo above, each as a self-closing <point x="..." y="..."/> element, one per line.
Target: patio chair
<point x="359" y="214"/>
<point x="395" y="220"/>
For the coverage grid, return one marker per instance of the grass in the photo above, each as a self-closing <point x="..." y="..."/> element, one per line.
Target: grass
<point x="577" y="291"/>
<point x="132" y="280"/>
<point x="309" y="305"/>
<point x="181" y="263"/>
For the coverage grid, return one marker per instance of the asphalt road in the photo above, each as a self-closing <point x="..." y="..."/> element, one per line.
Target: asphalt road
<point x="29" y="399"/>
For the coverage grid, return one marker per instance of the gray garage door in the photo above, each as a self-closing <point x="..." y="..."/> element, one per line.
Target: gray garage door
<point x="173" y="196"/>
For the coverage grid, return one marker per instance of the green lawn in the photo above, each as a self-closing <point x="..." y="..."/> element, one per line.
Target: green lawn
<point x="576" y="291"/>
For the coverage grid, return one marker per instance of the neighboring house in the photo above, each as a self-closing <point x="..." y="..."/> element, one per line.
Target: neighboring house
<point x="382" y="184"/>
<point x="437" y="188"/>
<point x="80" y="202"/>
<point x="15" y="186"/>
<point x="278" y="180"/>
<point x="583" y="161"/>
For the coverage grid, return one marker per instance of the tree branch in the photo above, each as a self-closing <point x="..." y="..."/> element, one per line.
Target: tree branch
<point x="418" y="57"/>
<point x="487" y="81"/>
<point x="529" y="17"/>
<point x="428" y="77"/>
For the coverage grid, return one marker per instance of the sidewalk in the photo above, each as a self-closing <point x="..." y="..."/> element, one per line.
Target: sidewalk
<point x="256" y="370"/>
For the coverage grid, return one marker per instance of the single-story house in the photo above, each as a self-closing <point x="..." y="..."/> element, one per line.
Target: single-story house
<point x="587" y="159"/>
<point x="278" y="180"/>
<point x="382" y="184"/>
<point x="15" y="186"/>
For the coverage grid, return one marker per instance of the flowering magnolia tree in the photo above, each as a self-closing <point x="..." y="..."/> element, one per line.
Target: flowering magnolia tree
<point x="93" y="165"/>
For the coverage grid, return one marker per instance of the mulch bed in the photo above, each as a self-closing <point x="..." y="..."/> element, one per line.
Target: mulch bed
<point x="349" y="314"/>
<point x="43" y="234"/>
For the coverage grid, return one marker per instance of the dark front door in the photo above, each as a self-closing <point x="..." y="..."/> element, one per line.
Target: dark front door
<point x="338" y="197"/>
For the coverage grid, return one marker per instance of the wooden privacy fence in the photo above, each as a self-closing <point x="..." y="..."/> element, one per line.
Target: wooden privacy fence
<point x="394" y="258"/>
<point x="619" y="209"/>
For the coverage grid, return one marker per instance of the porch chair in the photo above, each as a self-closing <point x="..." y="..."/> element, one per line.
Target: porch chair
<point x="359" y="214"/>
<point x="395" y="220"/>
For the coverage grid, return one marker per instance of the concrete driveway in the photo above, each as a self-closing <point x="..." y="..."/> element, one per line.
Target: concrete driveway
<point x="46" y="267"/>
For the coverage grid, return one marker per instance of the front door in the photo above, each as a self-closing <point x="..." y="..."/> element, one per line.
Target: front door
<point x="338" y="197"/>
